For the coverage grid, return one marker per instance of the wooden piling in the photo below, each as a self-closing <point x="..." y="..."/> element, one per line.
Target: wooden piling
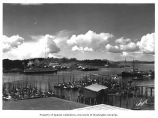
<point x="150" y="92"/>
<point x="120" y="99"/>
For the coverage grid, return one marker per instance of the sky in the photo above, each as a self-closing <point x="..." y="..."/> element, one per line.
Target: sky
<point x="82" y="31"/>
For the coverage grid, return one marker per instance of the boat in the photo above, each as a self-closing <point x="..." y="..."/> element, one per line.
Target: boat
<point x="39" y="67"/>
<point x="39" y="70"/>
<point x="137" y="74"/>
<point x="134" y="73"/>
<point x="89" y="69"/>
<point x="86" y="68"/>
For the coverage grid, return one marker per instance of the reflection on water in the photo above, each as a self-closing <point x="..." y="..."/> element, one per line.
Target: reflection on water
<point x="64" y="76"/>
<point x="47" y="81"/>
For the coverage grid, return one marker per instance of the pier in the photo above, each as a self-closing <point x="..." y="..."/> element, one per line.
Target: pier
<point x="91" y="89"/>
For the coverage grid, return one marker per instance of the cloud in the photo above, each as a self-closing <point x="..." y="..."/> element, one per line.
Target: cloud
<point x="130" y="47"/>
<point x="90" y="39"/>
<point x="15" y="47"/>
<point x="85" y="49"/>
<point x="144" y="46"/>
<point x="47" y="43"/>
<point x="51" y="45"/>
<point x="124" y="53"/>
<point x="9" y="43"/>
<point x="44" y="46"/>
<point x="147" y="43"/>
<point x="61" y="37"/>
<point x="122" y="41"/>
<point x="113" y="49"/>
<point x="88" y="49"/>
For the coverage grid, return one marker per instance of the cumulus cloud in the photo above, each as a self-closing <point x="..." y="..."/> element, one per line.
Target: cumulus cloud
<point x="85" y="49"/>
<point x="123" y="41"/>
<point x="48" y="44"/>
<point x="9" y="43"/>
<point x="113" y="49"/>
<point x="124" y="53"/>
<point x="90" y="39"/>
<point x="130" y="47"/>
<point x="88" y="49"/>
<point x="44" y="46"/>
<point x="61" y="37"/>
<point x="147" y="43"/>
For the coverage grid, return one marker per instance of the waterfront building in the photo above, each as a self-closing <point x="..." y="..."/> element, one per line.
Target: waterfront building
<point x="93" y="94"/>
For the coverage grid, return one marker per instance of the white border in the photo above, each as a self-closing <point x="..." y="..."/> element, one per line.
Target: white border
<point x="121" y="114"/>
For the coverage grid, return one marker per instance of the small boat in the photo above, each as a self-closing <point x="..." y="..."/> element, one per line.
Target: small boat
<point x="87" y="68"/>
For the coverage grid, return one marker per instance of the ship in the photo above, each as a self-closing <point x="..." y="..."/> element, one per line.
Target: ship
<point x="86" y="68"/>
<point x="40" y="70"/>
<point x="135" y="74"/>
<point x="39" y="67"/>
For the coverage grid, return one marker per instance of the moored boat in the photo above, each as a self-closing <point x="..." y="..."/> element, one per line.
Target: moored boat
<point x="39" y="70"/>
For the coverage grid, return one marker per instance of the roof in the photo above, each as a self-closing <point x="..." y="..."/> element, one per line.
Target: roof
<point x="96" y="87"/>
<point x="101" y="107"/>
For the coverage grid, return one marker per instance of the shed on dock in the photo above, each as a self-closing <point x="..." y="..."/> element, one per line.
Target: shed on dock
<point x="93" y="94"/>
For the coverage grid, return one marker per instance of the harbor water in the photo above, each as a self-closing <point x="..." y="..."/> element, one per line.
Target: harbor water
<point x="47" y="81"/>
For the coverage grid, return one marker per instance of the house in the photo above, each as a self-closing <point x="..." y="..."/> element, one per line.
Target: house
<point x="54" y="65"/>
<point x="93" y="94"/>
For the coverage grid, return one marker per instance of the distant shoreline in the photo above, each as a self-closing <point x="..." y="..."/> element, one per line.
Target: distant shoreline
<point x="17" y="66"/>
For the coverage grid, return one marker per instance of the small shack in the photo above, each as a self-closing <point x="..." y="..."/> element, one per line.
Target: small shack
<point x="93" y="94"/>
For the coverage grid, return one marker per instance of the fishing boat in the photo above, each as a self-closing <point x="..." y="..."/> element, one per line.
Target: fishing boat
<point x="87" y="68"/>
<point x="36" y="66"/>
<point x="39" y="70"/>
<point x="134" y="73"/>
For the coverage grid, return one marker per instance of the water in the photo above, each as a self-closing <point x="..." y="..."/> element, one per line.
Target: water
<point x="47" y="81"/>
<point x="145" y="67"/>
<point x="65" y="76"/>
<point x="43" y="79"/>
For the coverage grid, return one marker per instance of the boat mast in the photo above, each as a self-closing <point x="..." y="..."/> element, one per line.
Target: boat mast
<point x="45" y="48"/>
<point x="133" y="64"/>
<point x="125" y="64"/>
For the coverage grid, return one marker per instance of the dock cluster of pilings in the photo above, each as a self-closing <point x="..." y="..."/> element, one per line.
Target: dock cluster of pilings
<point x="119" y="93"/>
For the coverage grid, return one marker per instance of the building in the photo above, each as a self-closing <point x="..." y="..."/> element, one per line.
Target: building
<point x="93" y="94"/>
<point x="54" y="65"/>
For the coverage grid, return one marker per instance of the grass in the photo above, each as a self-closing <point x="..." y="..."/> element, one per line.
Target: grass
<point x="50" y="103"/>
